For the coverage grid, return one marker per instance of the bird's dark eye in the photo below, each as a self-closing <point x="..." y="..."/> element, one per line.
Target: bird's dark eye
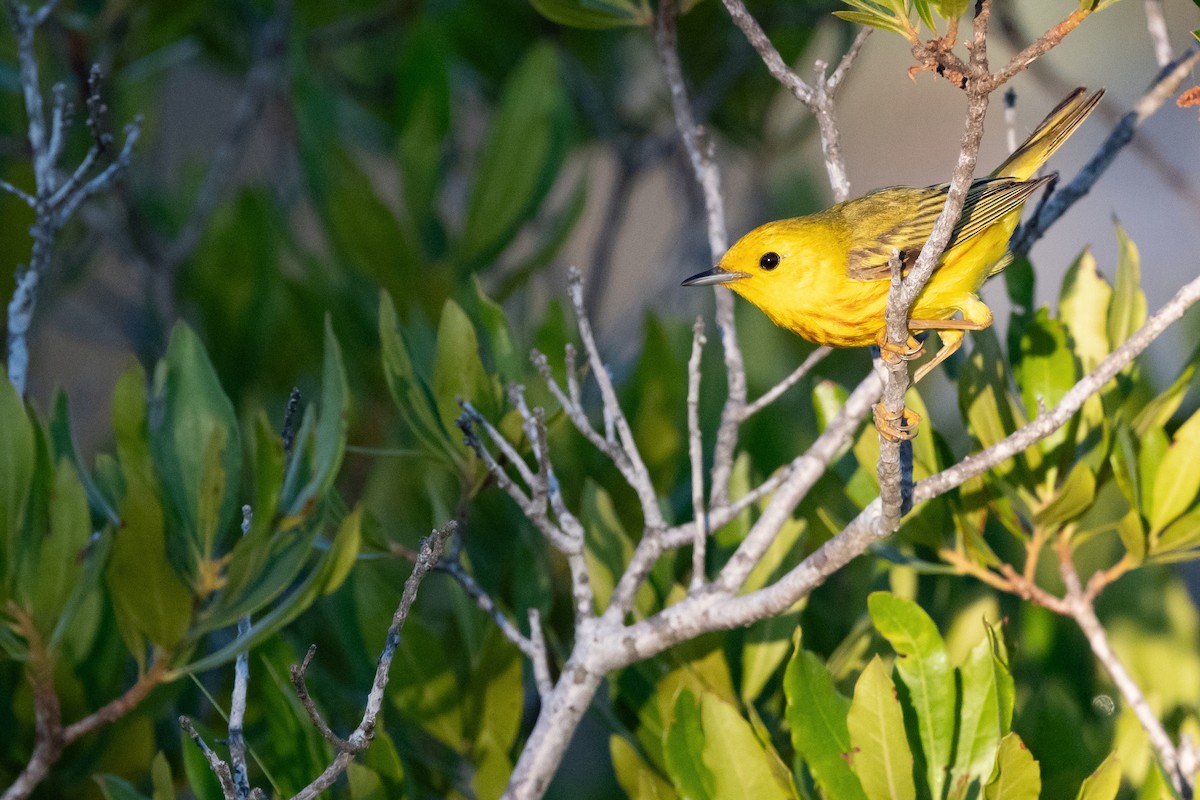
<point x="769" y="261"/>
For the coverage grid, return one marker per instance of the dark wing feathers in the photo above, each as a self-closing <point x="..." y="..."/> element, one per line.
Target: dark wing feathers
<point x="988" y="200"/>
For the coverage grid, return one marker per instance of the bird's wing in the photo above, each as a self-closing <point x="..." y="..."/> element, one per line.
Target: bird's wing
<point x="988" y="201"/>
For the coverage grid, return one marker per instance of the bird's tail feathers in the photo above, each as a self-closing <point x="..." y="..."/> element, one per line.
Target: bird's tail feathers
<point x="1055" y="129"/>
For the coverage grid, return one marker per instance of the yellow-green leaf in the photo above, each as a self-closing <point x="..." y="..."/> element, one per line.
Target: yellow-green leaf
<point x="1016" y="776"/>
<point x="882" y="759"/>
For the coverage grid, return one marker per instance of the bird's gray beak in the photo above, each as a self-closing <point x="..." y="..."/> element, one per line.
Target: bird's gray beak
<point x="714" y="277"/>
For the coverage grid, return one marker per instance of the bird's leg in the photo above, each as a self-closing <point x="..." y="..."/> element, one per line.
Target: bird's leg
<point x="891" y="352"/>
<point x="976" y="317"/>
<point x="896" y="426"/>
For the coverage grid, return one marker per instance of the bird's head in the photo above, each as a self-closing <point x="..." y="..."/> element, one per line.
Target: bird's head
<point x="761" y="264"/>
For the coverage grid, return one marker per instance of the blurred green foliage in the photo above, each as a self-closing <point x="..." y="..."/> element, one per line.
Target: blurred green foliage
<point x="427" y="178"/>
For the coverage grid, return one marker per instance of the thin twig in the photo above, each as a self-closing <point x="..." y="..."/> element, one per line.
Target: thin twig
<point x="237" y="703"/>
<point x="262" y="80"/>
<point x="776" y="391"/>
<point x="642" y="485"/>
<point x="1084" y="614"/>
<point x="696" y="455"/>
<point x="1164" y="86"/>
<point x="538" y="656"/>
<point x="360" y="738"/>
<point x="219" y="767"/>
<point x="708" y="178"/>
<point x="1156" y="24"/>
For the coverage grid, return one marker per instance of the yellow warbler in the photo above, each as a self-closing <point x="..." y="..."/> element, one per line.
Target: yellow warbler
<point x="826" y="276"/>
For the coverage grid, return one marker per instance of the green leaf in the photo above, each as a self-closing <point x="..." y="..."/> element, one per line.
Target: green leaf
<point x="1182" y="534"/>
<point x="816" y="714"/>
<point x="114" y="788"/>
<point x="923" y="11"/>
<point x="607" y="547"/>
<point x="1158" y="412"/>
<point x="367" y="236"/>
<point x="329" y="444"/>
<point x="1016" y="776"/>
<point x="636" y="777"/>
<point x="924" y="667"/>
<point x="1083" y="303"/>
<point x="882" y="758"/>
<point x="1072" y="498"/>
<point x="1105" y="782"/>
<point x="1153" y="448"/>
<point x="735" y="758"/>
<point x="16" y="475"/>
<point x="410" y="392"/>
<point x="1045" y="369"/>
<point x="458" y="371"/>
<point x="161" y="778"/>
<point x="343" y="553"/>
<point x="525" y="147"/>
<point x="423" y="117"/>
<point x="683" y="743"/>
<point x="951" y="9"/>
<point x="196" y="445"/>
<point x="985" y="713"/>
<point x="1177" y="480"/>
<point x="149" y="597"/>
<point x="594" y="14"/>
<point x="1128" y="309"/>
<point x="64" y="447"/>
<point x="61" y="552"/>
<point x="764" y="647"/>
<point x="872" y="20"/>
<point x="505" y="358"/>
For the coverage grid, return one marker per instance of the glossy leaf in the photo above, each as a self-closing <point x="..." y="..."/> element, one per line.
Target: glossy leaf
<point x="594" y="14"/>
<point x="458" y="371"/>
<point x="924" y="666"/>
<point x="1045" y="369"/>
<point x="329" y="438"/>
<point x="526" y="145"/>
<point x="985" y="712"/>
<point x="1104" y="783"/>
<point x="1128" y="309"/>
<point x="1016" y="776"/>
<point x="1071" y="499"/>
<point x="1177" y="480"/>
<point x="196" y="445"/>
<point x="736" y="759"/>
<point x="410" y="391"/>
<point x="952" y="9"/>
<point x="635" y="776"/>
<point x="145" y="588"/>
<point x="684" y="742"/>
<point x="61" y="552"/>
<point x="816" y="714"/>
<point x="1083" y="303"/>
<point x="764" y="647"/>
<point x="423" y="114"/>
<point x="882" y="759"/>
<point x="16" y="474"/>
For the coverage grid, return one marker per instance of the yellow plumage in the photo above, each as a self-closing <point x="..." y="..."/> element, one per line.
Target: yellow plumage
<point x="825" y="276"/>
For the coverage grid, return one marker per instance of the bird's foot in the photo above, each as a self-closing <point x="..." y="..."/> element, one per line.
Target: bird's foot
<point x="896" y="427"/>
<point x="891" y="352"/>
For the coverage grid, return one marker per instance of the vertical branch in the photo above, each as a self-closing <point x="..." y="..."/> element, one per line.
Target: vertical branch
<point x="696" y="455"/>
<point x="53" y="204"/>
<point x="237" y="704"/>
<point x="708" y="177"/>
<point x="1081" y="610"/>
